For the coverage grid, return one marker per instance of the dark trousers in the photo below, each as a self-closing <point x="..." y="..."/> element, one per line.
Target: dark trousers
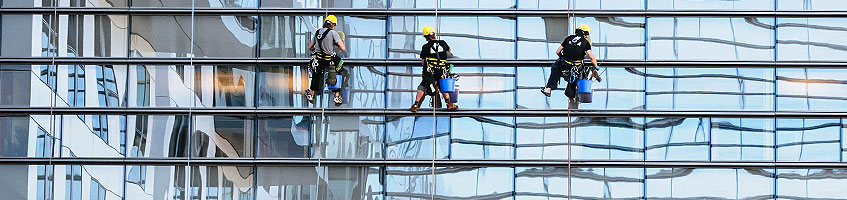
<point x="318" y="79"/>
<point x="557" y="72"/>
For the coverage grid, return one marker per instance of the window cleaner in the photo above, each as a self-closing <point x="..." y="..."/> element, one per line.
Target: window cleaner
<point x="569" y="66"/>
<point x="325" y="63"/>
<point x="435" y="72"/>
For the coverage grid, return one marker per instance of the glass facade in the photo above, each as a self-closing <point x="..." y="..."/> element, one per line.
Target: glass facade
<point x="189" y="99"/>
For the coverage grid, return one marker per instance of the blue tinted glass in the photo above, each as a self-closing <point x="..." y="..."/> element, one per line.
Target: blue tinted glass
<point x="541" y="138"/>
<point x="811" y="5"/>
<point x="811" y="183"/>
<point x="278" y="183"/>
<point x="482" y="138"/>
<point x="541" y="182"/>
<point x="621" y="89"/>
<point x="620" y="38"/>
<point x="501" y="4"/>
<point x="361" y="87"/>
<point x="710" y="5"/>
<point x="607" y="183"/>
<point x="284" y="136"/>
<point x="28" y="35"/>
<point x="325" y="3"/>
<point x="474" y="183"/>
<point x="224" y="86"/>
<point x="709" y="183"/>
<point x="742" y="139"/>
<point x="468" y="37"/>
<point x="282" y="86"/>
<point x="806" y="39"/>
<point x="412" y="137"/>
<point x="601" y="138"/>
<point x="158" y="136"/>
<point x="690" y="38"/>
<point x="677" y="138"/>
<point x="364" y="37"/>
<point x="582" y="4"/>
<point x="808" y="139"/>
<point x="408" y="182"/>
<point x="726" y="88"/>
<point x="349" y="137"/>
<point x="88" y="135"/>
<point x="225" y="36"/>
<point x="485" y="87"/>
<point x="811" y="89"/>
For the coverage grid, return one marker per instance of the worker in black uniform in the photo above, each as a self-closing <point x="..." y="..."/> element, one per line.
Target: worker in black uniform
<point x="569" y="65"/>
<point x="325" y="60"/>
<point x="433" y="58"/>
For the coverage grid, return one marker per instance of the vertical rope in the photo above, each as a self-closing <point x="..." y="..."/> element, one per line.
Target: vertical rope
<point x="434" y="124"/>
<point x="570" y="25"/>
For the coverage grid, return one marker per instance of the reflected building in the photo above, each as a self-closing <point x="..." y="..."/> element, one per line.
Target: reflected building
<point x="182" y="99"/>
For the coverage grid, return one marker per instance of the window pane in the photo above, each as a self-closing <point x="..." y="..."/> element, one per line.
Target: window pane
<point x="808" y="139"/>
<point x="408" y="182"/>
<point x="412" y="137"/>
<point x="474" y="183"/>
<point x="619" y="38"/>
<point x="325" y="3"/>
<point x="225" y="36"/>
<point x="280" y="183"/>
<point x="677" y="139"/>
<point x="484" y="87"/>
<point x="361" y="87"/>
<point x="465" y="35"/>
<point x="743" y="139"/>
<point x="27" y="3"/>
<point x="349" y="137"/>
<point x="482" y="138"/>
<point x="810" y="183"/>
<point x="811" y="5"/>
<point x="283" y="86"/>
<point x="92" y="135"/>
<point x="351" y="183"/>
<point x="582" y="4"/>
<point x="223" y="136"/>
<point x="284" y="136"/>
<point x="602" y="138"/>
<point x="621" y="89"/>
<point x="541" y="182"/>
<point x="157" y="3"/>
<point x="93" y="4"/>
<point x="16" y="178"/>
<point x="93" y="36"/>
<point x="162" y="85"/>
<point x="155" y="182"/>
<point x="18" y="131"/>
<point x="160" y="36"/>
<point x="811" y="89"/>
<point x="744" y="39"/>
<point x="541" y="138"/>
<point x="364" y="36"/>
<point x="710" y="5"/>
<point x="226" y="4"/>
<point x="89" y="181"/>
<point x="157" y="136"/>
<point x="727" y="88"/>
<point x="221" y="182"/>
<point x="807" y="39"/>
<point x="501" y="4"/>
<point x="27" y="85"/>
<point x="224" y="86"/>
<point x="287" y="36"/>
<point x="28" y="35"/>
<point x="402" y="87"/>
<point x="606" y="183"/>
<point x="710" y="183"/>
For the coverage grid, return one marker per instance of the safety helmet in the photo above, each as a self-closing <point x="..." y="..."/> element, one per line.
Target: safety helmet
<point x="584" y="28"/>
<point x="332" y="19"/>
<point x="428" y="30"/>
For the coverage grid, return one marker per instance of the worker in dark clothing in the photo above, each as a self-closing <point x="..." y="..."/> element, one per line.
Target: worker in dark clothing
<point x="433" y="58"/>
<point x="325" y="60"/>
<point x="569" y="65"/>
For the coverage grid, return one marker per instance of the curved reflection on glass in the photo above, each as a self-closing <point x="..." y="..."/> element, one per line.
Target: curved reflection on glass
<point x="109" y="36"/>
<point x="677" y="139"/>
<point x="147" y="182"/>
<point x="621" y="89"/>
<point x="811" y="89"/>
<point x="808" y="39"/>
<point x="736" y="139"/>
<point x="412" y="137"/>
<point x="225" y="36"/>
<point x="697" y="38"/>
<point x="282" y="86"/>
<point x="26" y="35"/>
<point x="157" y="136"/>
<point x="160" y="36"/>
<point x="722" y="183"/>
<point x="482" y="138"/>
<point x="93" y="135"/>
<point x="582" y="4"/>
<point x="284" y="136"/>
<point x="222" y="136"/>
<point x="221" y="182"/>
<point x="467" y="37"/>
<point x="619" y="38"/>
<point x="710" y="5"/>
<point x="492" y="4"/>
<point x="289" y="36"/>
<point x="808" y="139"/>
<point x="325" y="3"/>
<point x="349" y="137"/>
<point x="541" y="138"/>
<point x="362" y="87"/>
<point x="810" y="183"/>
<point x="811" y="5"/>
<point x="725" y="88"/>
<point x="224" y="86"/>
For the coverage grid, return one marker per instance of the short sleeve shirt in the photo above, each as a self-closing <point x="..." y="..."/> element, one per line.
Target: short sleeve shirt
<point x="575" y="47"/>
<point x="435" y="49"/>
<point x="328" y="43"/>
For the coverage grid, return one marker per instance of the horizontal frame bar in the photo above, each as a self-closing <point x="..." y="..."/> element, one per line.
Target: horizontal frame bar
<point x="423" y="112"/>
<point x="421" y="12"/>
<point x="417" y="162"/>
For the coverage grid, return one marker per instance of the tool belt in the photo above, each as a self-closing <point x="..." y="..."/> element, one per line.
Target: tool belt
<point x="436" y="63"/>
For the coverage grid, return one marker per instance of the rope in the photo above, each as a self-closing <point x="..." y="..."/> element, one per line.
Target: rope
<point x="434" y="125"/>
<point x="571" y="24"/>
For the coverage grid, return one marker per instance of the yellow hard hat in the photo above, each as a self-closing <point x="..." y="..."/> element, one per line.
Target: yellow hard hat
<point x="428" y="30"/>
<point x="583" y="28"/>
<point x="332" y="19"/>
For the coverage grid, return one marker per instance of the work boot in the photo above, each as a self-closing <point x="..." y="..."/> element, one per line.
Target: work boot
<point x="414" y="108"/>
<point x="546" y="92"/>
<point x="338" y="100"/>
<point x="452" y="107"/>
<point x="310" y="96"/>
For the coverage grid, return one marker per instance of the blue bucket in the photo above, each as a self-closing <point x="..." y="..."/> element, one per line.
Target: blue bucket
<point x="447" y="85"/>
<point x="337" y="83"/>
<point x="583" y="86"/>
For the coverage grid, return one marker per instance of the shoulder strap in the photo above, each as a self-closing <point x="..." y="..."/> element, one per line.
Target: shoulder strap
<point x="321" y="39"/>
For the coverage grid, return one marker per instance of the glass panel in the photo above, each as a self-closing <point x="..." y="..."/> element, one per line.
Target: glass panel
<point x="162" y="85"/>
<point x="620" y="38"/>
<point x="287" y="36"/>
<point x="727" y="88"/>
<point x="27" y="136"/>
<point x="810" y="183"/>
<point x="158" y="136"/>
<point x="485" y="87"/>
<point x="27" y="3"/>
<point x="155" y="182"/>
<point x="811" y="89"/>
<point x="27" y="85"/>
<point x="361" y="87"/>
<point x="91" y="86"/>
<point x="325" y="3"/>
<point x="689" y="38"/>
<point x="736" y="139"/>
<point x="92" y="135"/>
<point x="501" y="4"/>
<point x="222" y="136"/>
<point x="541" y="183"/>
<point x="350" y="183"/>
<point x="412" y="137"/>
<point x="811" y="5"/>
<point x="621" y="89"/>
<point x="28" y="181"/>
<point x="284" y="136"/>
<point x="93" y="36"/>
<point x="158" y="3"/>
<point x="808" y="139"/>
<point x="225" y="36"/>
<point x="710" y="5"/>
<point x="806" y="39"/>
<point x="402" y="87"/>
<point x="97" y="182"/>
<point x="349" y="137"/>
<point x="364" y="36"/>
<point x="28" y="35"/>
<point x="474" y="183"/>
<point x="605" y="138"/>
<point x="92" y="4"/>
<point x="160" y="35"/>
<point x="582" y="4"/>
<point x="283" y="86"/>
<point x="541" y="138"/>
<point x="221" y="182"/>
<point x="482" y="138"/>
<point x="409" y="182"/>
<point x="224" y="86"/>
<point x="226" y="4"/>
<point x="279" y="183"/>
<point x="677" y="139"/>
<point x="606" y="183"/>
<point x="710" y="183"/>
<point x="465" y="35"/>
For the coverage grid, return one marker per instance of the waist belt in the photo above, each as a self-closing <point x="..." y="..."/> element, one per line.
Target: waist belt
<point x="323" y="56"/>
<point x="573" y="62"/>
<point x="436" y="63"/>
